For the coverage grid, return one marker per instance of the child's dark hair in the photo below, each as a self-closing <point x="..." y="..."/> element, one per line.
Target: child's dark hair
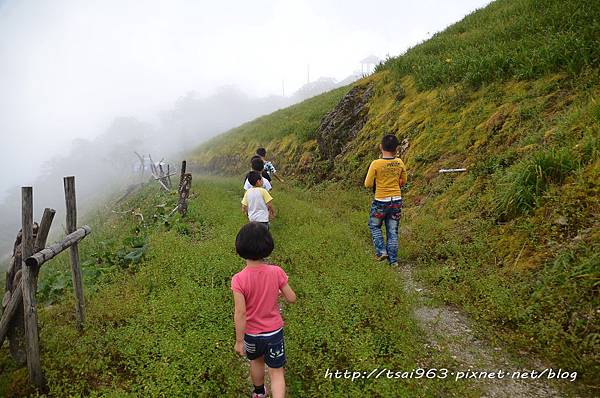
<point x="257" y="163"/>
<point x="253" y="177"/>
<point x="389" y="143"/>
<point x="254" y="241"/>
<point x="261" y="152"/>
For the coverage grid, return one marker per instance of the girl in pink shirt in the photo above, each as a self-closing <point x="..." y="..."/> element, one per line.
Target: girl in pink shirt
<point x="258" y="322"/>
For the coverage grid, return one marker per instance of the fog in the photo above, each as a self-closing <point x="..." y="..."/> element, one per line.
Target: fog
<point x="83" y="84"/>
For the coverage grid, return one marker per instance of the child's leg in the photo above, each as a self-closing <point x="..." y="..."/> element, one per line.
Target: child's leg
<point x="277" y="377"/>
<point x="257" y="371"/>
<point x="375" y="220"/>
<point x="275" y="359"/>
<point x="392" y="222"/>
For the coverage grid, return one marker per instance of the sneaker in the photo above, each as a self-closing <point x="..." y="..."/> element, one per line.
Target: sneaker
<point x="255" y="395"/>
<point x="384" y="256"/>
<point x="394" y="264"/>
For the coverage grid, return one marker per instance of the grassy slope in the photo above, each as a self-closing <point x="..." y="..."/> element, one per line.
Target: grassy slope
<point x="164" y="326"/>
<point x="291" y="130"/>
<point x="508" y="39"/>
<point x="511" y="93"/>
<point x="514" y="241"/>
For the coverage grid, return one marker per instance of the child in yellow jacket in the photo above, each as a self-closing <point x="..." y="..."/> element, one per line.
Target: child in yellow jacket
<point x="387" y="175"/>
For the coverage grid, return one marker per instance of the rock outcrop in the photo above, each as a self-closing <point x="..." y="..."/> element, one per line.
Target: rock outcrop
<point x="343" y="123"/>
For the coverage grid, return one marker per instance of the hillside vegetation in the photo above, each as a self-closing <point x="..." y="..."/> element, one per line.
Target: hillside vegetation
<point x="159" y="308"/>
<point x="511" y="93"/>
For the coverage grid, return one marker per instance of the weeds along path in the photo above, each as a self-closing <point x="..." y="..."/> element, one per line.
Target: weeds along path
<point x="449" y="329"/>
<point x="165" y="328"/>
<point x="446" y="330"/>
<point x="351" y="314"/>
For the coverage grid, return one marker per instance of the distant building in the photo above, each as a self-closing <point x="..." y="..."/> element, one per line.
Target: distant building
<point x="367" y="65"/>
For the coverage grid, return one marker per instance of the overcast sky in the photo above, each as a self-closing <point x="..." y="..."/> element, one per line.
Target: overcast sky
<point x="67" y="68"/>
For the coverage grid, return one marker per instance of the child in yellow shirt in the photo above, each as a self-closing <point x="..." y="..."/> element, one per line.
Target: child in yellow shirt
<point x="387" y="175"/>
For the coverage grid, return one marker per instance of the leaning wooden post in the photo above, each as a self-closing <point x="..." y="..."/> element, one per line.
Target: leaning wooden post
<point x="152" y="166"/>
<point x="47" y="254"/>
<point x="28" y="287"/>
<point x="169" y="176"/>
<point x="42" y="235"/>
<point x="71" y="204"/>
<point x="142" y="162"/>
<point x="183" y="167"/>
<point x="12" y="322"/>
<point x="12" y="307"/>
<point x="161" y="175"/>
<point x="35" y="262"/>
<point x="16" y="326"/>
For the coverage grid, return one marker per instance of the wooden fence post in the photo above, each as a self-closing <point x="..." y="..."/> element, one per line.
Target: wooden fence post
<point x="31" y="253"/>
<point x="161" y="174"/>
<point x="13" y="318"/>
<point x="169" y="176"/>
<point x="184" y="194"/>
<point x="71" y="205"/>
<point x="28" y="286"/>
<point x="152" y="165"/>
<point x="15" y="329"/>
<point x="47" y="254"/>
<point x="142" y="162"/>
<point x="12" y="307"/>
<point x="42" y="236"/>
<point x="183" y="167"/>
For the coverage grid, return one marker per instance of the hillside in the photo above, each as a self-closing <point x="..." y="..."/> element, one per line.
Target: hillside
<point x="511" y="93"/>
<point x="159" y="320"/>
<point x="500" y="266"/>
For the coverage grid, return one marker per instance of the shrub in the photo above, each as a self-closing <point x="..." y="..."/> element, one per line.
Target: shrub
<point x="522" y="187"/>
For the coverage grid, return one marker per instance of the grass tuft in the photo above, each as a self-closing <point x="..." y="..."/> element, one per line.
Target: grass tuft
<point x="522" y="187"/>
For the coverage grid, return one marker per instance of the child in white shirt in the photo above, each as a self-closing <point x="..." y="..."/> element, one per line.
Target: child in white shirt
<point x="257" y="202"/>
<point x="258" y="165"/>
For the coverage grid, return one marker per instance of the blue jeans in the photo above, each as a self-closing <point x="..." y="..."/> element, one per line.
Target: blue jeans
<point x="388" y="213"/>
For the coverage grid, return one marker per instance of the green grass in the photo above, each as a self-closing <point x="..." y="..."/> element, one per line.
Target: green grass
<point x="509" y="39"/>
<point x="521" y="188"/>
<point x="164" y="326"/>
<point x="512" y="94"/>
<point x="288" y="132"/>
<point x="548" y="309"/>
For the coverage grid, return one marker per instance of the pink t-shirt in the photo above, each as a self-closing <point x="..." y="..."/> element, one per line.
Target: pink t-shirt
<point x="260" y="286"/>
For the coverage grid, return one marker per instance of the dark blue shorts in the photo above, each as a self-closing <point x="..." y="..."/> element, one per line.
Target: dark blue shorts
<point x="271" y="347"/>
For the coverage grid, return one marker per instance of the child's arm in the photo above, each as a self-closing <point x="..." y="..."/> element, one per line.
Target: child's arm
<point x="245" y="203"/>
<point x="273" y="171"/>
<point x="266" y="184"/>
<point x="288" y="294"/>
<point x="239" y="317"/>
<point x="403" y="177"/>
<point x="272" y="212"/>
<point x="370" y="178"/>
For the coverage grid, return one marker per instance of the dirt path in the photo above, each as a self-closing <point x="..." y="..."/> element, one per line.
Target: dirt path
<point x="448" y="329"/>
